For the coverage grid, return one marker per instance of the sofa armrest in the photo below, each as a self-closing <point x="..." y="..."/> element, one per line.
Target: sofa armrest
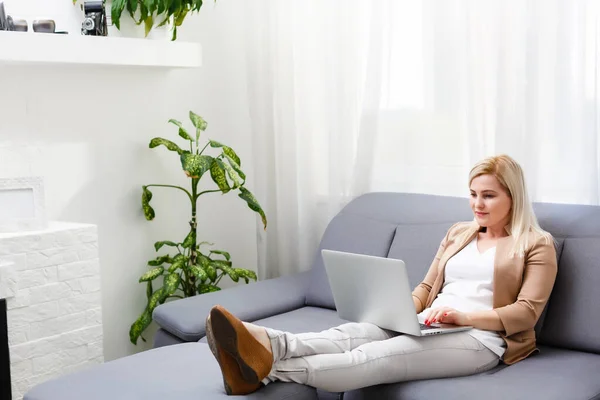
<point x="186" y="318"/>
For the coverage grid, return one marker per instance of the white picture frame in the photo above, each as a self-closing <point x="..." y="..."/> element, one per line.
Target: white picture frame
<point x="22" y="205"/>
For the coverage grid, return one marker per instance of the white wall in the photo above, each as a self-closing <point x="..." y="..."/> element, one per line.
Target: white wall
<point x="86" y="130"/>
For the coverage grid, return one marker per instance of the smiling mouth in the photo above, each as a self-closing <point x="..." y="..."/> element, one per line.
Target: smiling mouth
<point x="480" y="213"/>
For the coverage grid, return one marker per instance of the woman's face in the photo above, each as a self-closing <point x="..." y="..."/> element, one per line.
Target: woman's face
<point x="490" y="202"/>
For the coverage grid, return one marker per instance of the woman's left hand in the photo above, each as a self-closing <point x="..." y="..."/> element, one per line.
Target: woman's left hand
<point x="447" y="315"/>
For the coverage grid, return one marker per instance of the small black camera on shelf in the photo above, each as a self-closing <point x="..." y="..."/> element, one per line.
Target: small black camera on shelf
<point x="94" y="22"/>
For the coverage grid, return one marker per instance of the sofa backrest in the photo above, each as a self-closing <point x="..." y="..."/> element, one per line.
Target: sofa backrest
<point x="411" y="226"/>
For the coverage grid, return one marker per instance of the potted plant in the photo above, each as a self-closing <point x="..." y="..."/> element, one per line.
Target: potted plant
<point x="192" y="267"/>
<point x="154" y="13"/>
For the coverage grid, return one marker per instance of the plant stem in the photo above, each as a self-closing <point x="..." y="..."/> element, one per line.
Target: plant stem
<point x="175" y="187"/>
<point x="193" y="251"/>
<point x="205" y="146"/>
<point x="176" y="296"/>
<point x="208" y="191"/>
<point x="219" y="279"/>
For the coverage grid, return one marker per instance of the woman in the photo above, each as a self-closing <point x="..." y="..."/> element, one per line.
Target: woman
<point x="494" y="274"/>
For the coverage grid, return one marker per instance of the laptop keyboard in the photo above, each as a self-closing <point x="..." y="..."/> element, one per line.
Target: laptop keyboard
<point x="427" y="327"/>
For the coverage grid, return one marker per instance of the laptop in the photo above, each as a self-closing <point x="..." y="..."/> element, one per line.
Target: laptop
<point x="376" y="290"/>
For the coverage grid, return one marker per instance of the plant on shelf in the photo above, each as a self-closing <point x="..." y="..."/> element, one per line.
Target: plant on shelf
<point x="190" y="269"/>
<point x="148" y="12"/>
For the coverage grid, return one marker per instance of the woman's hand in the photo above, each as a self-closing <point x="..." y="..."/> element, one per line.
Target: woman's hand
<point x="447" y="315"/>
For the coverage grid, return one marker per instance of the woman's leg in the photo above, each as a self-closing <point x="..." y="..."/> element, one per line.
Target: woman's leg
<point x="346" y="337"/>
<point x="400" y="358"/>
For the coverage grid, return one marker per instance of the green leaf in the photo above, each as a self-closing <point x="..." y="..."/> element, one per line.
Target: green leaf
<point x="233" y="175"/>
<point x="197" y="5"/>
<point x="217" y="174"/>
<point x="139" y="326"/>
<point x="172" y="282"/>
<point x="149" y="213"/>
<point x="132" y="6"/>
<point x="236" y="167"/>
<point x="246" y="274"/>
<point x="116" y="10"/>
<point x="148" y="23"/>
<point x="161" y="8"/>
<point x="225" y="266"/>
<point x="149" y="289"/>
<point x="204" y="288"/>
<point x="206" y="264"/>
<point x="167" y="143"/>
<point x="223" y="253"/>
<point x="178" y="22"/>
<point x="221" y="263"/>
<point x="155" y="299"/>
<point x="158" y="245"/>
<point x="197" y="120"/>
<point x="190" y="239"/>
<point x="180" y="257"/>
<point x="228" y="151"/>
<point x="201" y="243"/>
<point x="231" y="272"/>
<point x="246" y="195"/>
<point x="159" y="260"/>
<point x="152" y="274"/>
<point x="195" y="165"/>
<point x="199" y="273"/>
<point x="177" y="264"/>
<point x="182" y="132"/>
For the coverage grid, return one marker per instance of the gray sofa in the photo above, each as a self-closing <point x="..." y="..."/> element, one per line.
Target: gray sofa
<point x="406" y="226"/>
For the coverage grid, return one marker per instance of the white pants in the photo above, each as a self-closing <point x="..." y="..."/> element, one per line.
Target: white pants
<point x="357" y="355"/>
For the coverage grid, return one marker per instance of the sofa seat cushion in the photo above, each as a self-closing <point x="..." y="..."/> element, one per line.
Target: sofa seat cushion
<point x="552" y="374"/>
<point x="305" y="319"/>
<point x="185" y="371"/>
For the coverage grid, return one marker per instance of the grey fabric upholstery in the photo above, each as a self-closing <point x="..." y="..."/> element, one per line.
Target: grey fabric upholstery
<point x="306" y="319"/>
<point x="186" y="318"/>
<point x="415" y="244"/>
<point x="398" y="225"/>
<point x="163" y="338"/>
<point x="573" y="319"/>
<point x="552" y="374"/>
<point x="183" y="372"/>
<point x="347" y="232"/>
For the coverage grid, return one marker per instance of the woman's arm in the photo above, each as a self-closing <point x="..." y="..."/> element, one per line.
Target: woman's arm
<point x="487" y="320"/>
<point x="538" y="280"/>
<point x="421" y="292"/>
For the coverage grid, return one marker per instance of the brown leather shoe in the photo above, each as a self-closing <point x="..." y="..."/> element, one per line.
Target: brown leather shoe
<point x="230" y="334"/>
<point x="233" y="381"/>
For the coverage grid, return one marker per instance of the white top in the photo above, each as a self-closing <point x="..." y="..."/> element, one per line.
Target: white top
<point x="468" y="287"/>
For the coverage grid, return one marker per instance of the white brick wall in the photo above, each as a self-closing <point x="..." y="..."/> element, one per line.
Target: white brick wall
<point x="52" y="286"/>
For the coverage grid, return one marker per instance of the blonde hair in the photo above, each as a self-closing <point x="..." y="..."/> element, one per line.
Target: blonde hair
<point x="522" y="219"/>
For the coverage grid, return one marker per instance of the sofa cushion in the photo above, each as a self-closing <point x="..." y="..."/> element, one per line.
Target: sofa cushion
<point x="417" y="245"/>
<point x="571" y="321"/>
<point x="351" y="233"/>
<point x="553" y="374"/>
<point x="163" y="338"/>
<point x="185" y="371"/>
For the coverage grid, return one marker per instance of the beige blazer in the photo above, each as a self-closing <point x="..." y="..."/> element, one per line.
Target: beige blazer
<point x="521" y="285"/>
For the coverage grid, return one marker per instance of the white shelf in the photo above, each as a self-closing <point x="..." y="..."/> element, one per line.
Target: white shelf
<point x="44" y="48"/>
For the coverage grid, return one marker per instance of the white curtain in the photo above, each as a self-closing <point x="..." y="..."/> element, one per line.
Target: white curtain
<point x="348" y="97"/>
